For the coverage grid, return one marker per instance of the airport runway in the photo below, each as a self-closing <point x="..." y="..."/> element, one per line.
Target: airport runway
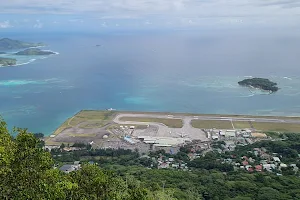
<point x="187" y="130"/>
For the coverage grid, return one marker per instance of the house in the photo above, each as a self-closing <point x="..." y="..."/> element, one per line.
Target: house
<point x="269" y="167"/>
<point x="245" y="163"/>
<point x="68" y="168"/>
<point x="230" y="133"/>
<point x="258" y="168"/>
<point x="276" y="159"/>
<point x="175" y="165"/>
<point x="164" y="166"/>
<point x="282" y="165"/>
<point x="250" y="169"/>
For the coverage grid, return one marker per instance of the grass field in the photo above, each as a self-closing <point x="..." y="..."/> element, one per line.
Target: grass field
<point x="260" y="126"/>
<point x="278" y="127"/>
<point x="87" y="119"/>
<point x="208" y="124"/>
<point x="241" y="124"/>
<point x="172" y="123"/>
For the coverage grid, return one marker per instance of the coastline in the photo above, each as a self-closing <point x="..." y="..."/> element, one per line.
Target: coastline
<point x="38" y="57"/>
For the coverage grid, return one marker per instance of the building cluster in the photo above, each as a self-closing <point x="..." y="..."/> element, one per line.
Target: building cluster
<point x="235" y="137"/>
<point x="263" y="162"/>
<point x="217" y="134"/>
<point x="168" y="163"/>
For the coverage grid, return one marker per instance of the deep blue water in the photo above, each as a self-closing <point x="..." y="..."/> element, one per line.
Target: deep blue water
<point x="176" y="72"/>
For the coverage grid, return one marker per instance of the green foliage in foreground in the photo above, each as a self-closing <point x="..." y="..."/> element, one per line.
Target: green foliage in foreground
<point x="26" y="172"/>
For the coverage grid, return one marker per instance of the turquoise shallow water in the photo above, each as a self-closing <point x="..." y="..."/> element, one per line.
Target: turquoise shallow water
<point x="176" y="72"/>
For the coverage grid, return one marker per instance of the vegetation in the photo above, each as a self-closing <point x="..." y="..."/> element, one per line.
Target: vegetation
<point x="87" y="119"/>
<point x="260" y="83"/>
<point x="26" y="172"/>
<point x="208" y="124"/>
<point x="172" y="123"/>
<point x="34" y="52"/>
<point x="7" y="61"/>
<point x="288" y="148"/>
<point x="279" y="127"/>
<point x="208" y="178"/>
<point x="8" y="44"/>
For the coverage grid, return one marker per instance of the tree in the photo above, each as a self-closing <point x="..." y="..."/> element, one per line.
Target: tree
<point x="26" y="172"/>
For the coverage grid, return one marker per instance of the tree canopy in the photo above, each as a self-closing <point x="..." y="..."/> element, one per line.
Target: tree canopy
<point x="27" y="172"/>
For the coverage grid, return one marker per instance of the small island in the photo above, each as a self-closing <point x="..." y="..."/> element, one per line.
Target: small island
<point x="2" y="52"/>
<point x="34" y="52"/>
<point x="7" y="62"/>
<point x="260" y="83"/>
<point x="9" y="44"/>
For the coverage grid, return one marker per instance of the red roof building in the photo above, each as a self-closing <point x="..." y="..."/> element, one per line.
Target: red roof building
<point x="250" y="169"/>
<point x="245" y="163"/>
<point x="258" y="168"/>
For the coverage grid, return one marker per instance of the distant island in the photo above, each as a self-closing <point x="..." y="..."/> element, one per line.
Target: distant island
<point x="2" y="52"/>
<point x="34" y="52"/>
<point x="7" y="61"/>
<point x="9" y="44"/>
<point x="260" y="83"/>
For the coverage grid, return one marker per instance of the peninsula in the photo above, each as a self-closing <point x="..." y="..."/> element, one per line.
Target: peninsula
<point x="9" y="44"/>
<point x="7" y="61"/>
<point x="260" y="83"/>
<point x="34" y="52"/>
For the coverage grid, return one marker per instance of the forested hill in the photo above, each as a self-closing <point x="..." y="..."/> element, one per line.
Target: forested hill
<point x="9" y="44"/>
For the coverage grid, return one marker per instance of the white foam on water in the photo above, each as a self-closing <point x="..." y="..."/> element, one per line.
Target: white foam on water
<point x="287" y="78"/>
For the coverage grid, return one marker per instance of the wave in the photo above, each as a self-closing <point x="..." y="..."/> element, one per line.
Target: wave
<point x="287" y="78"/>
<point x="47" y="50"/>
<point x="11" y="55"/>
<point x="30" y="61"/>
<point x="246" y="96"/>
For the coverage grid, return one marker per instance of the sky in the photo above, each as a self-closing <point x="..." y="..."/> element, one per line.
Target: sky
<point x="147" y="14"/>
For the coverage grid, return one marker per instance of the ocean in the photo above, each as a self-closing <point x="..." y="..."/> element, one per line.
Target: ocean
<point x="173" y="71"/>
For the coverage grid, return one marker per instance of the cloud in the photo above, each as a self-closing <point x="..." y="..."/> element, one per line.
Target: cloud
<point x="5" y="24"/>
<point x="194" y="11"/>
<point x="162" y="7"/>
